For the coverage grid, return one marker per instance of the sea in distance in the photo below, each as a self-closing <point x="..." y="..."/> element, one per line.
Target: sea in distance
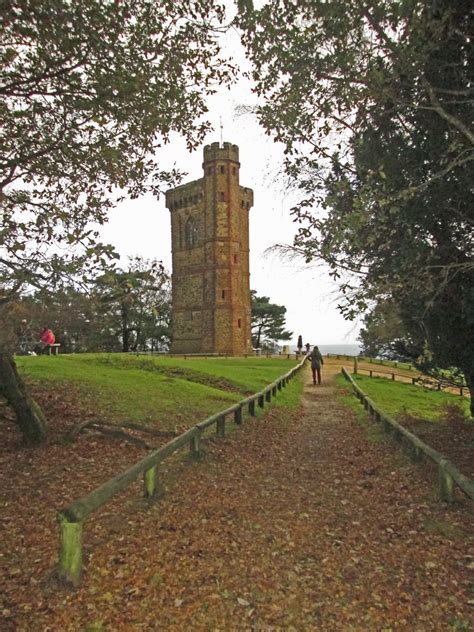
<point x="341" y="349"/>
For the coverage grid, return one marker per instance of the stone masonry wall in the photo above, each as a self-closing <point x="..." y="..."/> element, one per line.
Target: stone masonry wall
<point x="210" y="258"/>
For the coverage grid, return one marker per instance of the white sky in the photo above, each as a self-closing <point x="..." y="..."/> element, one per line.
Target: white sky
<point x="142" y="227"/>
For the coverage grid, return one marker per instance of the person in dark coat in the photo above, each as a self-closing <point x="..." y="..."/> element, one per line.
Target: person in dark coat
<point x="316" y="363"/>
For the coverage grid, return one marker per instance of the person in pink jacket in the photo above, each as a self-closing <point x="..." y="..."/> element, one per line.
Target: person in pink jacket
<point x="47" y="336"/>
<point x="47" y="339"/>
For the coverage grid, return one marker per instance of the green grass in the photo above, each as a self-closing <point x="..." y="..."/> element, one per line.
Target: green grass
<point x="159" y="390"/>
<point x="346" y="397"/>
<point x="395" y="398"/>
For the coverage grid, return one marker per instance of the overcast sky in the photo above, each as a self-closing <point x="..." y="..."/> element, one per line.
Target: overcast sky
<point x="142" y="227"/>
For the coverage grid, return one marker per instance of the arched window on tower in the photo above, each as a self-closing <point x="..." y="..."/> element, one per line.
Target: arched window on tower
<point x="190" y="233"/>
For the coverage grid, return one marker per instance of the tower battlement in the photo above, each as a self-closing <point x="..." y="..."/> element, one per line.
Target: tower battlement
<point x="215" y="151"/>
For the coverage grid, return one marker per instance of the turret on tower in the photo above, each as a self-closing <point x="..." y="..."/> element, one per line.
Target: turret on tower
<point x="210" y="255"/>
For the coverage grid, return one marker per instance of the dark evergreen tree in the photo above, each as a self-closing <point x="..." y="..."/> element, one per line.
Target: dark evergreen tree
<point x="268" y="321"/>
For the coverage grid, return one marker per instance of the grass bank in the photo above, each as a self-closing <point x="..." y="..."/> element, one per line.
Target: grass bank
<point x="161" y="391"/>
<point x="439" y="419"/>
<point x="398" y="398"/>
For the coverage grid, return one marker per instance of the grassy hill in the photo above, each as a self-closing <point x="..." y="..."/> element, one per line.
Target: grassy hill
<point x="396" y="398"/>
<point x="155" y="390"/>
<point x="440" y="419"/>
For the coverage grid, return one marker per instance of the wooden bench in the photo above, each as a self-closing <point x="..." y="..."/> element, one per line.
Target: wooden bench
<point x="54" y="349"/>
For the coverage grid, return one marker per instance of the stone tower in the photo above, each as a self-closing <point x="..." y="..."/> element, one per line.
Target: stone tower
<point x="210" y="244"/>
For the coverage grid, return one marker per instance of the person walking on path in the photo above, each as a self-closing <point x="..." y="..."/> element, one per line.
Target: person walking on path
<point x="316" y="364"/>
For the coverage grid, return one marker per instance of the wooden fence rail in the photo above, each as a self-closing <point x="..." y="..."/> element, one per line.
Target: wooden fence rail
<point x="448" y="474"/>
<point x="414" y="380"/>
<point x="204" y="356"/>
<point x="370" y="360"/>
<point x="71" y="518"/>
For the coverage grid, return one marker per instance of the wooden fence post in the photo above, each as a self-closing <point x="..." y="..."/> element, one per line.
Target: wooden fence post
<point x="393" y="377"/>
<point x="279" y="384"/>
<point x="195" y="446"/>
<point x="415" y="453"/>
<point x="70" y="551"/>
<point x="268" y="395"/>
<point x="150" y="480"/>
<point x="355" y="366"/>
<point x="274" y="390"/>
<point x="251" y="408"/>
<point x="220" y="427"/>
<point x="238" y="415"/>
<point x="445" y="483"/>
<point x="261" y="400"/>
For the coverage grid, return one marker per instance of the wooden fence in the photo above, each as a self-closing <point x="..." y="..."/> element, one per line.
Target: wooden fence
<point x="72" y="518"/>
<point x="448" y="474"/>
<point x="418" y="379"/>
<point x="393" y="363"/>
<point x="205" y="356"/>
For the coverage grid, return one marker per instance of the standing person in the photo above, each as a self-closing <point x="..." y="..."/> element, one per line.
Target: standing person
<point x="23" y="337"/>
<point x="316" y="363"/>
<point x="299" y="344"/>
<point x="308" y="347"/>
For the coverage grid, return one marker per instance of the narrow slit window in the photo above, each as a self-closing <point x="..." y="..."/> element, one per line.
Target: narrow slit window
<point x="223" y="293"/>
<point x="239" y="323"/>
<point x="222" y="169"/>
<point x="222" y="196"/>
<point x="235" y="258"/>
<point x="190" y="233"/>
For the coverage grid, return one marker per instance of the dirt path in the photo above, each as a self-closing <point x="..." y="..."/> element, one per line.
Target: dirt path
<point x="301" y="523"/>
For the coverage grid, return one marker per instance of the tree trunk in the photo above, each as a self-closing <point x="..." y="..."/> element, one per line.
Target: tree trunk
<point x="125" y="329"/>
<point x="470" y="384"/>
<point x="29" y="416"/>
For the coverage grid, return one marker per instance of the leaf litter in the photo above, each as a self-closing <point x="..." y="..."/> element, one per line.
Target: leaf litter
<point x="295" y="522"/>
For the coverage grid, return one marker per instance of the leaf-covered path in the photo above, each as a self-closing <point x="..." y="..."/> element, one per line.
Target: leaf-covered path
<point x="301" y="523"/>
